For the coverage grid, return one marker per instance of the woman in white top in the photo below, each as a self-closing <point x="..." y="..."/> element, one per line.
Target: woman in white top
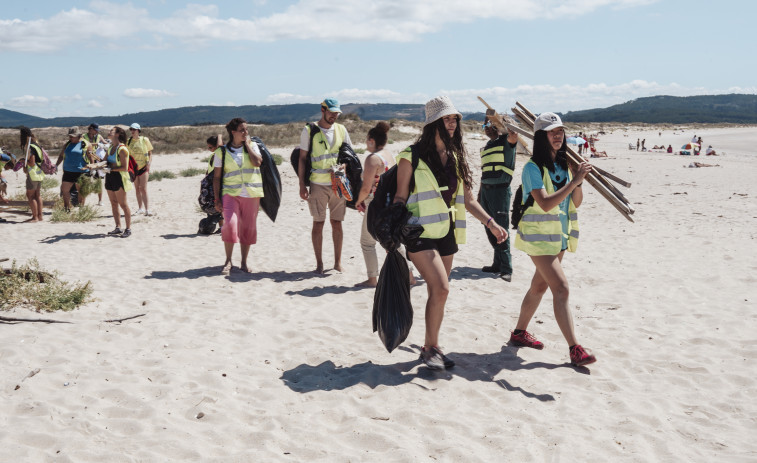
<point x="237" y="169"/>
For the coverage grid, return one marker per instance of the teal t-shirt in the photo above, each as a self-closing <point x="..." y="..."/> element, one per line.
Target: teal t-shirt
<point x="532" y="180"/>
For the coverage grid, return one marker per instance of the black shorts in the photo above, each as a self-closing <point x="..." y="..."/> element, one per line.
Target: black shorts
<point x="140" y="171"/>
<point x="446" y="246"/>
<point x="113" y="181"/>
<point x="71" y="177"/>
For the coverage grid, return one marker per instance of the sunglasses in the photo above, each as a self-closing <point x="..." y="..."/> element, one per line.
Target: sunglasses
<point x="486" y="125"/>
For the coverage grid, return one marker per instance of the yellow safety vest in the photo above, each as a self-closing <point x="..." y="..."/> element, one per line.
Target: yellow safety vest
<point x="428" y="206"/>
<point x="125" y="179"/>
<point x="493" y="160"/>
<point x="322" y="156"/>
<point x="35" y="173"/>
<point x="235" y="177"/>
<point x="540" y="233"/>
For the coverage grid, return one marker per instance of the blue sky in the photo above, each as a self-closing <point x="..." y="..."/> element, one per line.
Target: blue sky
<point x="91" y="58"/>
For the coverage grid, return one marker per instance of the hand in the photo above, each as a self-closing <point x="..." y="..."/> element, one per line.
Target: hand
<point x="219" y="205"/>
<point x="498" y="232"/>
<point x="512" y="137"/>
<point x="360" y="207"/>
<point x="580" y="171"/>
<point x="304" y="192"/>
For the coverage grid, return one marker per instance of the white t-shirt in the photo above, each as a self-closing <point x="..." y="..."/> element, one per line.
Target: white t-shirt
<point x="328" y="133"/>
<point x="237" y="154"/>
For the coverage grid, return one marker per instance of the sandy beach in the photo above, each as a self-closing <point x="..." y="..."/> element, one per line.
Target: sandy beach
<point x="281" y="364"/>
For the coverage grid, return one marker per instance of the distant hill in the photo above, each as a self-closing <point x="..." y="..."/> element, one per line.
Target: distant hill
<point x="733" y="108"/>
<point x="200" y="115"/>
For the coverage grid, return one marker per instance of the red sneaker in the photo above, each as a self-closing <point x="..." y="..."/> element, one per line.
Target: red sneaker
<point x="579" y="357"/>
<point x="525" y="339"/>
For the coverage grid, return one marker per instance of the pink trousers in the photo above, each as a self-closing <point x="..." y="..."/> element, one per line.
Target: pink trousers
<point x="240" y="216"/>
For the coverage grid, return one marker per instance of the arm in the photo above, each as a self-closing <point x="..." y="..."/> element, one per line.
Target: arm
<point x="548" y="202"/>
<point x="404" y="171"/>
<point x="369" y="173"/>
<point x="301" y="174"/>
<point x="123" y="157"/>
<point x="478" y="212"/>
<point x="61" y="156"/>
<point x="217" y="174"/>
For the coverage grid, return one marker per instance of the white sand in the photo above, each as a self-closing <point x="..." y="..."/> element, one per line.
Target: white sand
<point x="284" y="367"/>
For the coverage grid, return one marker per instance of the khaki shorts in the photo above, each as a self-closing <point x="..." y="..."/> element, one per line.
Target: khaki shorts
<point x="30" y="185"/>
<point x="321" y="197"/>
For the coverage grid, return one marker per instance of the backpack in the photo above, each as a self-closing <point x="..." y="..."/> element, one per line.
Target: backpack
<point x="294" y="158"/>
<point x="207" y="199"/>
<point x="518" y="209"/>
<point x="383" y="197"/>
<point x="133" y="168"/>
<point x="47" y="166"/>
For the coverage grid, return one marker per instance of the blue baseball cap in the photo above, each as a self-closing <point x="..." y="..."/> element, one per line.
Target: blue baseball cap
<point x="331" y="105"/>
<point x="135" y="126"/>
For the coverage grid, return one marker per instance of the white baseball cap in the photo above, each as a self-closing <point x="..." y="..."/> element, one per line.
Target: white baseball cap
<point x="547" y="122"/>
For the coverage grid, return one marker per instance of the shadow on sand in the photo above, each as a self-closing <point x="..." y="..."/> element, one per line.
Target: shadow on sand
<point x="72" y="236"/>
<point x="473" y="367"/>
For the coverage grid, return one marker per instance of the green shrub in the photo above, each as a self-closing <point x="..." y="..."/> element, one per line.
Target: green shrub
<point x="159" y="175"/>
<point x="191" y="172"/>
<point x="277" y="159"/>
<point x="87" y="185"/>
<point x="359" y="150"/>
<point x="205" y="160"/>
<point x="78" y="214"/>
<point x="44" y="291"/>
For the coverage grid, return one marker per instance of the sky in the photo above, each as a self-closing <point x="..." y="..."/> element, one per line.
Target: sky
<point x="102" y="58"/>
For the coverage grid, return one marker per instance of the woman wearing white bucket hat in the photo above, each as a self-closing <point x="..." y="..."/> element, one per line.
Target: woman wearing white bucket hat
<point x="548" y="227"/>
<point x="438" y="199"/>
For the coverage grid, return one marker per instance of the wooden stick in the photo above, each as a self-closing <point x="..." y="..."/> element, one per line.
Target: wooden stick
<point x="119" y="320"/>
<point x="615" y="179"/>
<point x="500" y="121"/>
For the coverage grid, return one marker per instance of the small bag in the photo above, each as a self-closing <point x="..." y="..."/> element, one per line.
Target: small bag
<point x="207" y="198"/>
<point x="518" y="209"/>
<point x="294" y="158"/>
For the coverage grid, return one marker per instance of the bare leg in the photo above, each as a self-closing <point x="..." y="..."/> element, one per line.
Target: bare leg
<point x="124" y="203"/>
<point x="435" y="270"/>
<point x="32" y="205"/>
<point x="38" y="199"/>
<point x="337" y="236"/>
<point x="114" y="208"/>
<point x="245" y="248"/>
<point x="550" y="269"/>
<point x="317" y="237"/>
<point x="66" y="190"/>
<point x="229" y="248"/>
<point x="142" y="189"/>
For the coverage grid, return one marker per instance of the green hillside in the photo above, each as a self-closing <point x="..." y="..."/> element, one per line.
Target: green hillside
<point x="734" y="108"/>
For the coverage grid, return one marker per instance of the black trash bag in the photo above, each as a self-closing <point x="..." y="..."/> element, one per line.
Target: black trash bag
<point x="391" y="227"/>
<point x="392" y="308"/>
<point x="208" y="225"/>
<point x="354" y="171"/>
<point x="271" y="199"/>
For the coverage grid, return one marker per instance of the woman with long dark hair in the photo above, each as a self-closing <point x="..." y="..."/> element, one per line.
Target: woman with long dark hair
<point x="440" y="195"/>
<point x="34" y="174"/>
<point x="548" y="227"/>
<point x="117" y="181"/>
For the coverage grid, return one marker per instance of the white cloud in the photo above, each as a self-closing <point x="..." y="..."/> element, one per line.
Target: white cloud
<point x="146" y="93"/>
<point x="379" y="20"/>
<point x="28" y="101"/>
<point x="94" y="104"/>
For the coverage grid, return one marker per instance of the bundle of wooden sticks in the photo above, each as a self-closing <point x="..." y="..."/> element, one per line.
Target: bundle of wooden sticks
<point x="597" y="178"/>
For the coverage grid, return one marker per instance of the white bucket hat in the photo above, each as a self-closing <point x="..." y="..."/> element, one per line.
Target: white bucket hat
<point x="547" y="122"/>
<point x="439" y="107"/>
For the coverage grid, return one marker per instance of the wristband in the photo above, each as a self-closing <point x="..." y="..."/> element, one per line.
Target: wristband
<point x="579" y="185"/>
<point x="487" y="222"/>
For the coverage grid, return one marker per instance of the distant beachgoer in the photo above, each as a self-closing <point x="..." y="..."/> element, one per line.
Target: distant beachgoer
<point x="699" y="141"/>
<point x="638" y="143"/>
<point x="7" y="161"/>
<point x="438" y="201"/>
<point x="238" y="189"/>
<point x="213" y="143"/>
<point x="94" y="138"/>
<point x="694" y="139"/>
<point x="140" y="149"/>
<point x="670" y="148"/>
<point x="376" y="163"/>
<point x="710" y="151"/>
<point x="117" y="181"/>
<point x="548" y="227"/>
<point x="643" y="142"/>
<point x="75" y="155"/>
<point x="580" y="145"/>
<point x="320" y="196"/>
<point x="34" y="174"/>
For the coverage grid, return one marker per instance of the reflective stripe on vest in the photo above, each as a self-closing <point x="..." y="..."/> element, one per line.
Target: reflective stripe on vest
<point x="540" y="232"/>
<point x="235" y="177"/>
<point x="493" y="159"/>
<point x="428" y="207"/>
<point x="322" y="157"/>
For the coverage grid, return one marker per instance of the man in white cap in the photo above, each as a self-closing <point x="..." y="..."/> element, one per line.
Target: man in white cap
<point x="323" y="149"/>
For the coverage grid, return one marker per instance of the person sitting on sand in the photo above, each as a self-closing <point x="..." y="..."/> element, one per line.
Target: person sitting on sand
<point x="34" y="174"/>
<point x="710" y="151"/>
<point x="117" y="181"/>
<point x="438" y="201"/>
<point x="238" y="189"/>
<point x="548" y="227"/>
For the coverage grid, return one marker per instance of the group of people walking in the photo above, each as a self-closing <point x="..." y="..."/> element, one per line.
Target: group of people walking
<point x="434" y="182"/>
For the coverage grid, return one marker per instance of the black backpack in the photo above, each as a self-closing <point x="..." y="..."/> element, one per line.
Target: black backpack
<point x="518" y="209"/>
<point x="354" y="171"/>
<point x="383" y="197"/>
<point x="294" y="158"/>
<point x="207" y="199"/>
